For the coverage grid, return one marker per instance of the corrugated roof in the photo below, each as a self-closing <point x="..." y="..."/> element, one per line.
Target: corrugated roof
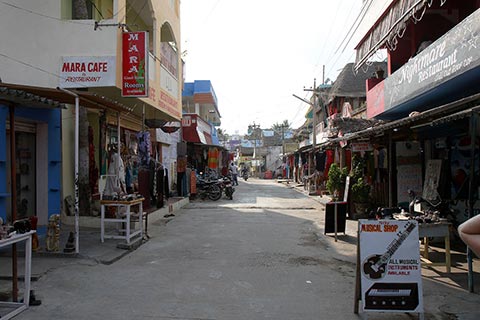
<point x="23" y="98"/>
<point x="439" y="114"/>
<point x="87" y="99"/>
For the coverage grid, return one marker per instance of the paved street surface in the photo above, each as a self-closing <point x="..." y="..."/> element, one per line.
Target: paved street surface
<point x="261" y="256"/>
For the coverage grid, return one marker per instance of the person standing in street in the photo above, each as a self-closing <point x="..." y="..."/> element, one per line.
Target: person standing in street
<point x="234" y="170"/>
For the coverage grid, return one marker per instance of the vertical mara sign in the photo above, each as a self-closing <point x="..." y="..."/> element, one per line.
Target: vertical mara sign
<point x="134" y="64"/>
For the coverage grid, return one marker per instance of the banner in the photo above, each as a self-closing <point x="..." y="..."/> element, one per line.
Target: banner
<point x="134" y="64"/>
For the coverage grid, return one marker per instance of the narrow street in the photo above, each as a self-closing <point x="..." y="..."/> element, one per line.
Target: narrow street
<point x="261" y="256"/>
<point x="258" y="256"/>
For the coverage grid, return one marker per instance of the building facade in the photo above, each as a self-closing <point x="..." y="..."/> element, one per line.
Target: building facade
<point x="60" y="53"/>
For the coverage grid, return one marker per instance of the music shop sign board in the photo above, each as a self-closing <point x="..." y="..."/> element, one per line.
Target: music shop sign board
<point x="134" y="64"/>
<point x="390" y="266"/>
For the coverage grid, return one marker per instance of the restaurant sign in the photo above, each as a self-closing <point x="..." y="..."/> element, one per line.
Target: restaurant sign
<point x="134" y="64"/>
<point x="85" y="72"/>
<point x="451" y="55"/>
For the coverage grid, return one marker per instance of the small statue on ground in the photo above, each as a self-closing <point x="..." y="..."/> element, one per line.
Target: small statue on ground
<point x="53" y="233"/>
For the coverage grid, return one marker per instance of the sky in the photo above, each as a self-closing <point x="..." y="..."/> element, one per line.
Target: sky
<point x="258" y="53"/>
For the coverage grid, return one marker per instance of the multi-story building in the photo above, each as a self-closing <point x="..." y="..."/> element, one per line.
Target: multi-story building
<point x="427" y="96"/>
<point x="60" y="50"/>
<point x="200" y="117"/>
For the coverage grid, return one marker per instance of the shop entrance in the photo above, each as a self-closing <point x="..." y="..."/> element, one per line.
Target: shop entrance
<point x="25" y="144"/>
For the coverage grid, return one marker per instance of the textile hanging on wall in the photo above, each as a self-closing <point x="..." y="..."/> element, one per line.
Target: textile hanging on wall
<point x="330" y="159"/>
<point x="193" y="182"/>
<point x="182" y="164"/>
<point x="144" y="147"/>
<point x="213" y="158"/>
<point x="160" y="185"/>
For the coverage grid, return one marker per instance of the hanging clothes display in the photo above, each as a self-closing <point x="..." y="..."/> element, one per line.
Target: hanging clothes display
<point x="160" y="185"/>
<point x="166" y="188"/>
<point x="329" y="160"/>
<point x="213" y="158"/>
<point x="144" y="147"/>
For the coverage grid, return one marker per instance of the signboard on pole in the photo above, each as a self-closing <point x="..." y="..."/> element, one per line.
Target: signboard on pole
<point x="134" y="64"/>
<point x="390" y="266"/>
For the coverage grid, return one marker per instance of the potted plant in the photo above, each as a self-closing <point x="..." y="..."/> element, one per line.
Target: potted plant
<point x="360" y="190"/>
<point x="336" y="181"/>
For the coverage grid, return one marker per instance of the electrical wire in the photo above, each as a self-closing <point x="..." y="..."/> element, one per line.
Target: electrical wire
<point x="362" y="13"/>
<point x="139" y="12"/>
<point x="328" y="35"/>
<point x="211" y="11"/>
<point x="99" y="12"/>
<point x="332" y="55"/>
<point x="35" y="67"/>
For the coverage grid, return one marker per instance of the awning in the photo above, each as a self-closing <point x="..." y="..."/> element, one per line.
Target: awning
<point x="23" y="98"/>
<point x="390" y="26"/>
<point x="432" y="116"/>
<point x="87" y="99"/>
<point x="171" y="127"/>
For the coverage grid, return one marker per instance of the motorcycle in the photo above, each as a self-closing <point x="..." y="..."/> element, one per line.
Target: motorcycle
<point x="245" y="174"/>
<point x="209" y="188"/>
<point x="227" y="186"/>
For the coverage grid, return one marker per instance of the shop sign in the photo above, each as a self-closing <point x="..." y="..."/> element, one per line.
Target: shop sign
<point x="86" y="72"/>
<point x="203" y="126"/>
<point x="186" y="121"/>
<point x="390" y="266"/>
<point x="134" y="64"/>
<point x="448" y="57"/>
<point x="376" y="100"/>
<point x="361" y="146"/>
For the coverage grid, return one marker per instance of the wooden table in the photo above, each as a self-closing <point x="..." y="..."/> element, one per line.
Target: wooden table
<point x="438" y="229"/>
<point x="17" y="307"/>
<point x="122" y="219"/>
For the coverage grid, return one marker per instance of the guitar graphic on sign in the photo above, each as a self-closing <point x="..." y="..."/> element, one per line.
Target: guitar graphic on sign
<point x="375" y="266"/>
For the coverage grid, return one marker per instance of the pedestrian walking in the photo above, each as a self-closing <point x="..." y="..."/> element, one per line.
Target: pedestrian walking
<point x="234" y="170"/>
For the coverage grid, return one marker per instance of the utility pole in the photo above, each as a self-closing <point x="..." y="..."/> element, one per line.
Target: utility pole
<point x="254" y="129"/>
<point x="314" y="124"/>
<point x="314" y="104"/>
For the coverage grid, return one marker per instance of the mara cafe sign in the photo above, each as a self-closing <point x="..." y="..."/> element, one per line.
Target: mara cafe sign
<point x="84" y="72"/>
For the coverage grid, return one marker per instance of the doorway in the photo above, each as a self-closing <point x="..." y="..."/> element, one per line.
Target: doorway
<point x="25" y="145"/>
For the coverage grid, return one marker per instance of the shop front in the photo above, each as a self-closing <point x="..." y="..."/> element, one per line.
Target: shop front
<point x="203" y="155"/>
<point x="29" y="127"/>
